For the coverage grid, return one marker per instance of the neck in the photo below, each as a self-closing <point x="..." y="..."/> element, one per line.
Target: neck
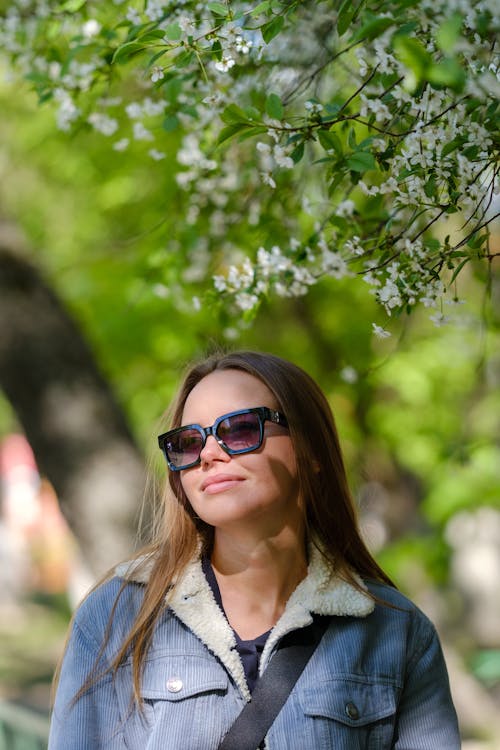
<point x="256" y="578"/>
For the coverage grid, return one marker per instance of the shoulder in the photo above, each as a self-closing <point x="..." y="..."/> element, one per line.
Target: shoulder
<point x="394" y="609"/>
<point x="113" y="604"/>
<point x="389" y="597"/>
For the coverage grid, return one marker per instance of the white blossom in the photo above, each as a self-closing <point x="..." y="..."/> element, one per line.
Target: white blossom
<point x="246" y="301"/>
<point x="380" y="332"/>
<point x="439" y="319"/>
<point x="282" y="158"/>
<point x="156" y="155"/>
<point x="267" y="179"/>
<point x="186" y="25"/>
<point x="225" y="64"/>
<point x="157" y="74"/>
<point x="133" y="15"/>
<point x="334" y="265"/>
<point x="243" y="45"/>
<point x="313" y="107"/>
<point x="102" y="123"/>
<point x="121" y="145"/>
<point x="141" y="133"/>
<point x="161" y="291"/>
<point x="220" y="283"/>
<point x="67" y="111"/>
<point x="91" y="28"/>
<point x="345" y="208"/>
<point x="348" y="374"/>
<point x="134" y="110"/>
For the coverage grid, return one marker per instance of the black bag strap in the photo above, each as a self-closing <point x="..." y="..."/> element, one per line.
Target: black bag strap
<point x="274" y="686"/>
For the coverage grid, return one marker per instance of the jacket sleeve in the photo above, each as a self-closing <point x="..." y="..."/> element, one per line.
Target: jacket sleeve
<point x="426" y="715"/>
<point x="92" y="719"/>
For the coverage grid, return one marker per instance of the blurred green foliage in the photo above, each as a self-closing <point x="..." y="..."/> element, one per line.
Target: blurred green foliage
<point x="423" y="402"/>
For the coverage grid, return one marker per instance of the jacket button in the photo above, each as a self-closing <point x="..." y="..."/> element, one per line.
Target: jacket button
<point x="174" y="684"/>
<point x="352" y="710"/>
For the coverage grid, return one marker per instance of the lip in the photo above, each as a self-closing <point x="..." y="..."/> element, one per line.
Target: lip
<point x="220" y="482"/>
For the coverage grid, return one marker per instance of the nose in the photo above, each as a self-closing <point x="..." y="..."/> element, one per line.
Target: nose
<point x="212" y="451"/>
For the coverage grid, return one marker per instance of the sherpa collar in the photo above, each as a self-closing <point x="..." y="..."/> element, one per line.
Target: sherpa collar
<point x="321" y="592"/>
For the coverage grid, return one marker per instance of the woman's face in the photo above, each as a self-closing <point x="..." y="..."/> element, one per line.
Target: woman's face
<point x="256" y="491"/>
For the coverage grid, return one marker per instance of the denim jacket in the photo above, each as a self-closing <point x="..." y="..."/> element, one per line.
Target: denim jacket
<point x="376" y="681"/>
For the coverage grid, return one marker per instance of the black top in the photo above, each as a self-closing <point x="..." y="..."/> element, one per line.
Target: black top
<point x="249" y="651"/>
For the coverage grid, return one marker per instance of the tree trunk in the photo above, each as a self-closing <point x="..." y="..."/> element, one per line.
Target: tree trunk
<point x="75" y="427"/>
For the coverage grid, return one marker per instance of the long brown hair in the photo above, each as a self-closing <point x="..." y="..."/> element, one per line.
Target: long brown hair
<point x="331" y="521"/>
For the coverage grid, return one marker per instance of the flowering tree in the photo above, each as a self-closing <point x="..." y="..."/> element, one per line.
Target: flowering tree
<point x="308" y="139"/>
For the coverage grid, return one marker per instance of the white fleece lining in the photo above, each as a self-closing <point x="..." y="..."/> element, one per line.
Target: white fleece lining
<point x="193" y="602"/>
<point x="321" y="592"/>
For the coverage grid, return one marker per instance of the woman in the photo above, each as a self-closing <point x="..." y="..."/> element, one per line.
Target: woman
<point x="258" y="536"/>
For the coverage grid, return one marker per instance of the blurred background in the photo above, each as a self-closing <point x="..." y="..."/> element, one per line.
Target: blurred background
<point x="94" y="337"/>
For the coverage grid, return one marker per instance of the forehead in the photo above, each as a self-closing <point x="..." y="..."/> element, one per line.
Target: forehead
<point x="223" y="391"/>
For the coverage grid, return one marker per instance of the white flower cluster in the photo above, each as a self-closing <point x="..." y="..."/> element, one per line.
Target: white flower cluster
<point x="235" y="44"/>
<point x="273" y="155"/>
<point x="272" y="271"/>
<point x="427" y="154"/>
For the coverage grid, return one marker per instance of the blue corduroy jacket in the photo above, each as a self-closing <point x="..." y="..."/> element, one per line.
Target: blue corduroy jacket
<point x="377" y="680"/>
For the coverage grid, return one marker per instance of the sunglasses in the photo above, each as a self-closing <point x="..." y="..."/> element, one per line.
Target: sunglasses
<point x="237" y="432"/>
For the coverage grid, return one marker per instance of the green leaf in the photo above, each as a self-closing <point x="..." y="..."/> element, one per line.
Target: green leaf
<point x="230" y="131"/>
<point x="451" y="146"/>
<point x="261" y="8"/>
<point x="217" y="50"/>
<point x="251" y="131"/>
<point x="274" y="107"/>
<point x="218" y="9"/>
<point x="448" y="33"/>
<point x="297" y="153"/>
<point x="477" y="239"/>
<point x="156" y="57"/>
<point x="432" y="244"/>
<point x="272" y="29"/>
<point x="430" y="187"/>
<point x="471" y="152"/>
<point x="184" y="59"/>
<point x="448" y="73"/>
<point x="351" y="139"/>
<point x="336" y="181"/>
<point x="252" y="113"/>
<point x="345" y="15"/>
<point x="173" y="32"/>
<point x="170" y="123"/>
<point x="123" y="53"/>
<point x="413" y="54"/>
<point x="152" y="36"/>
<point x="339" y="221"/>
<point x="373" y="28"/>
<point x="458" y="269"/>
<point x="361" y="161"/>
<point x="233" y="114"/>
<point x="137" y="30"/>
<point x="330" y="141"/>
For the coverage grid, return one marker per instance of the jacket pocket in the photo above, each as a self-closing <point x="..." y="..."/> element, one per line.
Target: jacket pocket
<point x="185" y="704"/>
<point x="176" y="678"/>
<point x="352" y="713"/>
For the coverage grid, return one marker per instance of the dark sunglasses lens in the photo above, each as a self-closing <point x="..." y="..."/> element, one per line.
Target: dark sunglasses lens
<point x="241" y="432"/>
<point x="184" y="447"/>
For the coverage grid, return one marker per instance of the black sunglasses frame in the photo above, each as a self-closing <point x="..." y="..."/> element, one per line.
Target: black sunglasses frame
<point x="263" y="412"/>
